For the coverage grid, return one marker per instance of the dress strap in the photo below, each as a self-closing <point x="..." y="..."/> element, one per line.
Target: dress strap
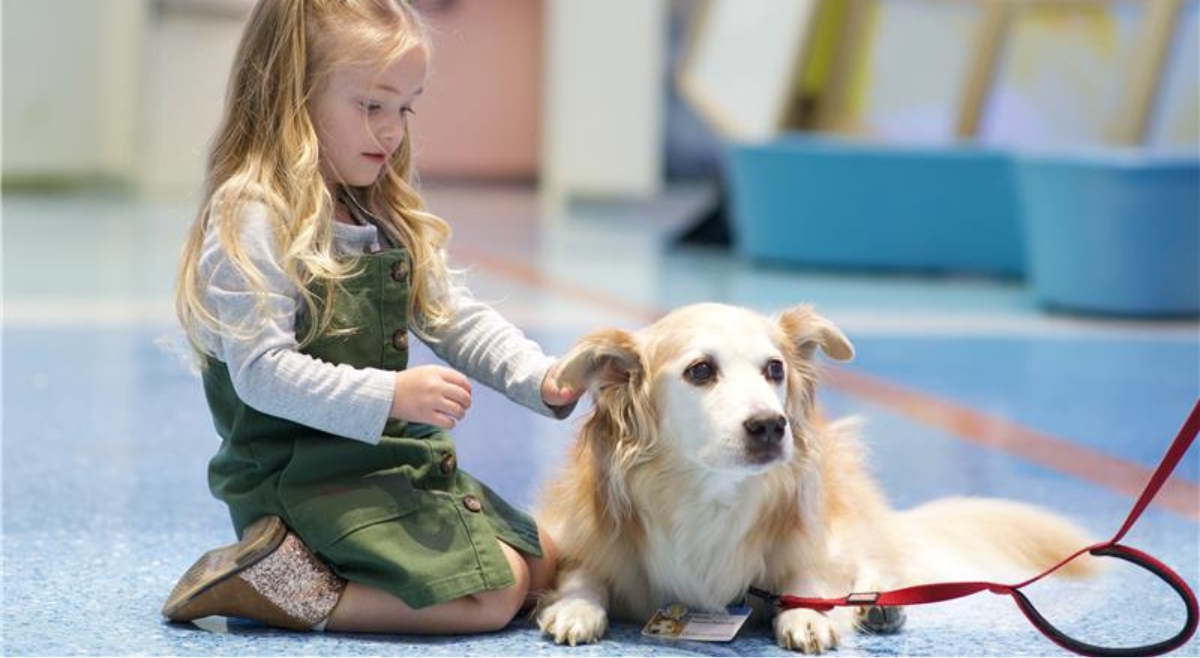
<point x="363" y="217"/>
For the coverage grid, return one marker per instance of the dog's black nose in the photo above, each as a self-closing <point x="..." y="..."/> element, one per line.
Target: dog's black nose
<point x="766" y="428"/>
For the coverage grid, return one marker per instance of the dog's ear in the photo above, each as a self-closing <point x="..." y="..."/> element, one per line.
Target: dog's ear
<point x="807" y="330"/>
<point x="620" y="429"/>
<point x="602" y="359"/>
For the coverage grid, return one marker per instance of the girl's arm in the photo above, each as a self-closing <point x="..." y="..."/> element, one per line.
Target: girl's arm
<point x="488" y="348"/>
<point x="268" y="371"/>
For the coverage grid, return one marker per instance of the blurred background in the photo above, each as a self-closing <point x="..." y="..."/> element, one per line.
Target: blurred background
<point x="734" y="114"/>
<point x="934" y="135"/>
<point x="581" y="97"/>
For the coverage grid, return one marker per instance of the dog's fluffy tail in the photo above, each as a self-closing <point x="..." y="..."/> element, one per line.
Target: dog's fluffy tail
<point x="954" y="539"/>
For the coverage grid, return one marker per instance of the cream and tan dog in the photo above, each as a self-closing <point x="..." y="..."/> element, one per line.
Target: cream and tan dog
<point x="705" y="468"/>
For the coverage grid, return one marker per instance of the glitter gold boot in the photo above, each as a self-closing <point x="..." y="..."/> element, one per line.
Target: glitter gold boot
<point x="269" y="576"/>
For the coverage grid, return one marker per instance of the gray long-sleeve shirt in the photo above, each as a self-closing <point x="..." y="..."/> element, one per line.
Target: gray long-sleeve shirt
<point x="272" y="376"/>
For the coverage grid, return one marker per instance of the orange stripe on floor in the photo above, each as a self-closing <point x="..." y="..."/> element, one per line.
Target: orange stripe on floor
<point x="1177" y="495"/>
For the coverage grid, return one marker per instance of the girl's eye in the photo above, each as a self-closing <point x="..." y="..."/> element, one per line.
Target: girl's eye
<point x="371" y="107"/>
<point x="774" y="370"/>
<point x="407" y="110"/>
<point x="701" y="372"/>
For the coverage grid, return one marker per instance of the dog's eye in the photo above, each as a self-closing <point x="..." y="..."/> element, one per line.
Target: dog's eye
<point x="700" y="372"/>
<point x="774" y="370"/>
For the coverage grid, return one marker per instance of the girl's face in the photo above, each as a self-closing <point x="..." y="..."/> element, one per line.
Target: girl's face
<point x="359" y="115"/>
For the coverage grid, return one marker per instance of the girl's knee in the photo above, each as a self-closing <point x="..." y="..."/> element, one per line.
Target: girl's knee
<point x="519" y="567"/>
<point x="499" y="607"/>
<point x="544" y="570"/>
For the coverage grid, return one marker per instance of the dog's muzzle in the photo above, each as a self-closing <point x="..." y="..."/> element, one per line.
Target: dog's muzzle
<point x="764" y="437"/>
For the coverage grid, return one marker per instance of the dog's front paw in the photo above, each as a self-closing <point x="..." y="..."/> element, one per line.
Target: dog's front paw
<point x="804" y="630"/>
<point x="573" y="621"/>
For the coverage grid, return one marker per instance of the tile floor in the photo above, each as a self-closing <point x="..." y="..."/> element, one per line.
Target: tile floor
<point x="106" y="436"/>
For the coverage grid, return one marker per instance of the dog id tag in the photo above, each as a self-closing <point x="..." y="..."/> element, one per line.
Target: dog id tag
<point x="677" y="622"/>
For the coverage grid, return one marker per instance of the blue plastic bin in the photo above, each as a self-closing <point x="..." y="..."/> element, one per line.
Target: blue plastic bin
<point x="824" y="202"/>
<point x="1112" y="232"/>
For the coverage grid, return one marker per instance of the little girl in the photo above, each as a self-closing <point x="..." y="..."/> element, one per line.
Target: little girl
<point x="309" y="263"/>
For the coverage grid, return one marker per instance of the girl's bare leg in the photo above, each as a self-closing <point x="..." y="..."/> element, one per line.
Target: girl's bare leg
<point x="543" y="571"/>
<point x="366" y="609"/>
<point x="271" y="577"/>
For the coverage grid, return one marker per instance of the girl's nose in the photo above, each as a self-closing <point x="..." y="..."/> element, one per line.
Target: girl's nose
<point x="391" y="132"/>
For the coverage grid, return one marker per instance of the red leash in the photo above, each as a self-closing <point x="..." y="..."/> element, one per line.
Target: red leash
<point x="933" y="593"/>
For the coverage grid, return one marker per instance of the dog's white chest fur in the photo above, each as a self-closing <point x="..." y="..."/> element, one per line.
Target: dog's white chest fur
<point x="694" y="550"/>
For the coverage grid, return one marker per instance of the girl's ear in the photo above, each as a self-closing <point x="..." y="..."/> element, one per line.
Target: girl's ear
<point x="807" y="330"/>
<point x="602" y="359"/>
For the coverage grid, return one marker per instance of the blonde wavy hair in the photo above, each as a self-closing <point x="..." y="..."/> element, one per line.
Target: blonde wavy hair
<point x="266" y="152"/>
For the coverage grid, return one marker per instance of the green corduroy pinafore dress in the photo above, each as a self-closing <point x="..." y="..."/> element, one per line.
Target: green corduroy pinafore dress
<point x="398" y="515"/>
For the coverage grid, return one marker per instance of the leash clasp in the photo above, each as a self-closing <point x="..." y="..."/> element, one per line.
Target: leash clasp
<point x="862" y="598"/>
<point x="758" y="592"/>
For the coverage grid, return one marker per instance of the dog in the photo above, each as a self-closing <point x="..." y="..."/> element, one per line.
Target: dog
<point x="705" y="468"/>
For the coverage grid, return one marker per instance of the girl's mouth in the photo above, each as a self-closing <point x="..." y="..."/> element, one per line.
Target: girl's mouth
<point x="378" y="158"/>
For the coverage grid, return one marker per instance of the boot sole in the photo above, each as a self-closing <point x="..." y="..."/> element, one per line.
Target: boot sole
<point x="259" y="540"/>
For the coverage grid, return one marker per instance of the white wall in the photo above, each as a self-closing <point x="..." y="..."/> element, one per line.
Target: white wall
<point x="190" y="49"/>
<point x="71" y="74"/>
<point x="115" y="91"/>
<point x="131" y="91"/>
<point x="605" y="98"/>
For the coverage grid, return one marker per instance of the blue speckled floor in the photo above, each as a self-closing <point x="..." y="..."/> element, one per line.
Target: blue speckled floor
<point x="106" y="437"/>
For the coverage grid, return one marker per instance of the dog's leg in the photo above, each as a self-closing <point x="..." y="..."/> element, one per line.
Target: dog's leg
<point x="810" y="631"/>
<point x="807" y="631"/>
<point x="577" y="613"/>
<point x="879" y="619"/>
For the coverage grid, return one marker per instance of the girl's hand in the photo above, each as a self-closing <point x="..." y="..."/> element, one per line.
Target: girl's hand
<point x="435" y="395"/>
<point x="555" y="394"/>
